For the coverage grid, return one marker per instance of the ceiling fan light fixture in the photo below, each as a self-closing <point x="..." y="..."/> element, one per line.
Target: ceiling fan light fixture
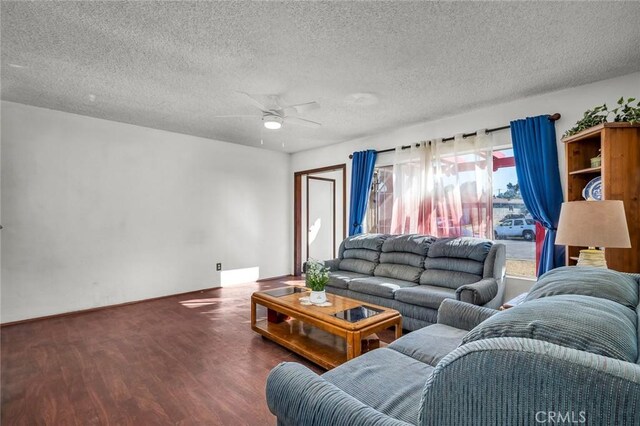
<point x="272" y="122"/>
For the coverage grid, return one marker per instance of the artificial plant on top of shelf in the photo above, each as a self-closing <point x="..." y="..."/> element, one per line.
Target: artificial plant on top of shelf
<point x="623" y="112"/>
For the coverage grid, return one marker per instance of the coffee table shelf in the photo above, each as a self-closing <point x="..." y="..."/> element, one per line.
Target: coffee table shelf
<point x="313" y="331"/>
<point x="322" y="348"/>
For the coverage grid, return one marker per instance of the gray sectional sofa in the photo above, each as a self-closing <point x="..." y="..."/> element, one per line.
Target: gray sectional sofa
<point x="568" y="355"/>
<point x="414" y="274"/>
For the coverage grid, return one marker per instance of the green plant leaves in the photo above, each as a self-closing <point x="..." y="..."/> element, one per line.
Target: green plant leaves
<point x="317" y="275"/>
<point x="624" y="112"/>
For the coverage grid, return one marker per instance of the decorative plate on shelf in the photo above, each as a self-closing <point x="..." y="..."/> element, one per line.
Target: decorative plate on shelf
<point x="593" y="190"/>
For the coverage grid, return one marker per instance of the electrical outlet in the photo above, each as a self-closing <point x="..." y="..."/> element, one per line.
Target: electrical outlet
<point x="218" y="266"/>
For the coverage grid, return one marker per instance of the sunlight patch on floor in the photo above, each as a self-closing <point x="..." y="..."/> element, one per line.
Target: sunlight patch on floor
<point x="293" y="282"/>
<point x="197" y="303"/>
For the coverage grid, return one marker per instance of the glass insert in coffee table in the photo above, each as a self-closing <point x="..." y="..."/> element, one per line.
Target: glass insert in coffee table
<point x="358" y="313"/>
<point x="285" y="291"/>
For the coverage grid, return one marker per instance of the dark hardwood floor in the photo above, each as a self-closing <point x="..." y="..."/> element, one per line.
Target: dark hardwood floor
<point x="189" y="359"/>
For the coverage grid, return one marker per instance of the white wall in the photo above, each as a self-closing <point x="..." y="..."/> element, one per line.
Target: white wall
<point x="97" y="212"/>
<point x="571" y="103"/>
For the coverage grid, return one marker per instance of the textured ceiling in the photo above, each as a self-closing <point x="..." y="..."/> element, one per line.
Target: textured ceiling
<point x="177" y="65"/>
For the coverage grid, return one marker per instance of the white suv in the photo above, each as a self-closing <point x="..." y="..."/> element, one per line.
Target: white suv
<point x="516" y="228"/>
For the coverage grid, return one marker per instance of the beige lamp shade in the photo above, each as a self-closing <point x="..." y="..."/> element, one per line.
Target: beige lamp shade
<point x="593" y="224"/>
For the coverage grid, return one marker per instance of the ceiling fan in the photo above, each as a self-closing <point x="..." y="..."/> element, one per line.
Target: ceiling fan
<point x="275" y="112"/>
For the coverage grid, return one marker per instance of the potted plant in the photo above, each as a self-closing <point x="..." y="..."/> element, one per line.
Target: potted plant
<point x="316" y="279"/>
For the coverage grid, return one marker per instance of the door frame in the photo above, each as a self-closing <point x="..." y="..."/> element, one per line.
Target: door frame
<point x="297" y="209"/>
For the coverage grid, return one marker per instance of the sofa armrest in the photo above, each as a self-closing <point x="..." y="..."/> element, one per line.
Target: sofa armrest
<point x="635" y="276"/>
<point x="535" y="380"/>
<point x="298" y="396"/>
<point x="331" y="264"/>
<point x="478" y="293"/>
<point x="462" y="315"/>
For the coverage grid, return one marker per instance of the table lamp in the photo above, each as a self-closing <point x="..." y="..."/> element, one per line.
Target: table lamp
<point x="593" y="224"/>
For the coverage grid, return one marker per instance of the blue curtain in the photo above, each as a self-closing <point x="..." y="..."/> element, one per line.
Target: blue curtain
<point x="361" y="175"/>
<point x="536" y="157"/>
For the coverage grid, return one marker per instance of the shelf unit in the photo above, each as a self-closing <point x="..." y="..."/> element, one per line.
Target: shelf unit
<point x="619" y="146"/>
<point x="587" y="171"/>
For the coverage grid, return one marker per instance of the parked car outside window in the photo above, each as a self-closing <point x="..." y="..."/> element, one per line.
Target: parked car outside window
<point x="515" y="228"/>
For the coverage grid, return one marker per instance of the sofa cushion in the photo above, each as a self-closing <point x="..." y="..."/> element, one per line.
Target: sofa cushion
<point x="454" y="264"/>
<point x="378" y="286"/>
<point x="586" y="323"/>
<point x="429" y="344"/>
<point x="449" y="279"/>
<point x="365" y="241"/>
<point x="402" y="258"/>
<point x="340" y="279"/>
<point x="596" y="282"/>
<point x="424" y="295"/>
<point x="358" y="265"/>
<point x="463" y="248"/>
<point x="386" y="380"/>
<point x="364" y="254"/>
<point x="411" y="243"/>
<point x="400" y="272"/>
<point x="424" y="316"/>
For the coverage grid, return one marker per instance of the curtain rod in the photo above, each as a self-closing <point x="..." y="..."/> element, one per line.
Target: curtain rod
<point x="552" y="117"/>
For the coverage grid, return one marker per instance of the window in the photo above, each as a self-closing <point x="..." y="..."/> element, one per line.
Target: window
<point x="512" y="224"/>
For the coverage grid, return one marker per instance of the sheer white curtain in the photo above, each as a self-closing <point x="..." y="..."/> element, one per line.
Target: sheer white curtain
<point x="444" y="189"/>
<point x="409" y="186"/>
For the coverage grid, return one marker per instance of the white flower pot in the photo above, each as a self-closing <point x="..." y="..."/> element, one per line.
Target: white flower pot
<point x="318" y="297"/>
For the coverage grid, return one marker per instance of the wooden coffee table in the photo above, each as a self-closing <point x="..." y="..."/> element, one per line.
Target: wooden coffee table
<point x="327" y="336"/>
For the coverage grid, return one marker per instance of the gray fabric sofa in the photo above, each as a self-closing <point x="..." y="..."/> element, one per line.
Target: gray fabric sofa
<point x="567" y="355"/>
<point x="415" y="273"/>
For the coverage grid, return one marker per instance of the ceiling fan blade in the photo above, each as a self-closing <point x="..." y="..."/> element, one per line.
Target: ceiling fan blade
<point x="302" y="108"/>
<point x="302" y="122"/>
<point x="258" y="101"/>
<point x="275" y="102"/>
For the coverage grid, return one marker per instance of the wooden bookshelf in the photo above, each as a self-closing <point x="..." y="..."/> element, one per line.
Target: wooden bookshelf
<point x="619" y="146"/>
